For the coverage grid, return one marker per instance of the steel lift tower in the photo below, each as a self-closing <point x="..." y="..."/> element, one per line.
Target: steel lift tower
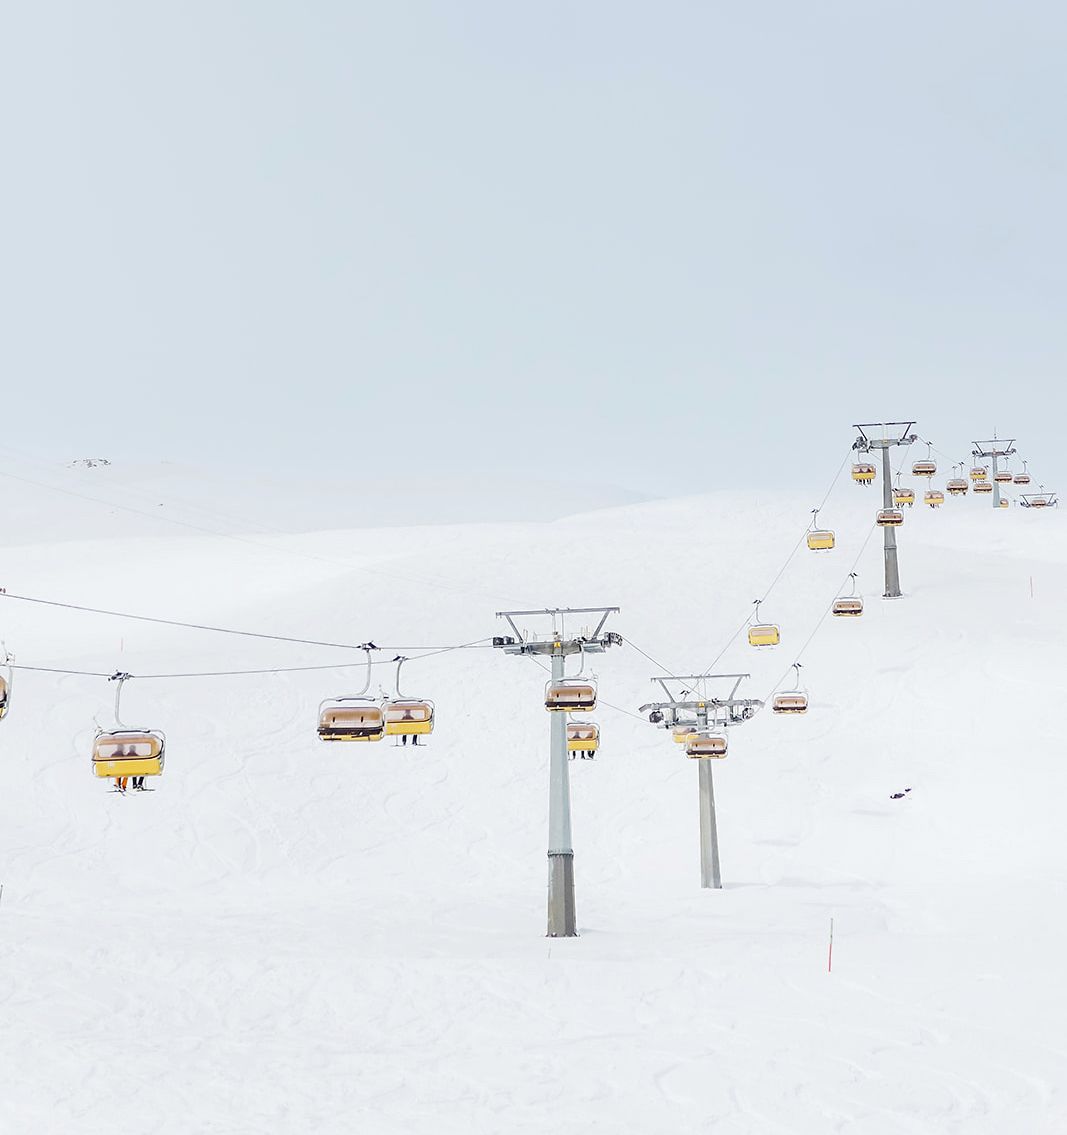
<point x="995" y="448"/>
<point x="683" y="707"/>
<point x="562" y="922"/>
<point x="864" y="444"/>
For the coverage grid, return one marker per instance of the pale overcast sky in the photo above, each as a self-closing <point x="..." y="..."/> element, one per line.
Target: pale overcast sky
<point x="658" y="245"/>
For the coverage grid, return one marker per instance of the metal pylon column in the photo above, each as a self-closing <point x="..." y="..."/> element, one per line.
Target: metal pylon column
<point x="710" y="876"/>
<point x="892" y="571"/>
<point x="561" y="915"/>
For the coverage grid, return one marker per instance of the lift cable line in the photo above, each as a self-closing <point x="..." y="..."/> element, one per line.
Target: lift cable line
<point x="822" y="617"/>
<point x="270" y="670"/>
<point x="216" y="629"/>
<point x="562" y="696"/>
<point x="889" y="518"/>
<point x="801" y="539"/>
<point x="644" y="653"/>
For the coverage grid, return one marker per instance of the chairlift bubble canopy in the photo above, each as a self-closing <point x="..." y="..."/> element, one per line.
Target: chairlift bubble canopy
<point x="569" y="695"/>
<point x="583" y="737"/>
<point x="351" y="719"/>
<point x="705" y="746"/>
<point x="764" y="634"/>
<point x="408" y="717"/>
<point x="129" y="752"/>
<point x="863" y="472"/>
<point x="792" y="701"/>
<point x="820" y="539"/>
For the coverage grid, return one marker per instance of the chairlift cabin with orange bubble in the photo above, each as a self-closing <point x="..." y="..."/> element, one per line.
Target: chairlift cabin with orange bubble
<point x="357" y="717"/>
<point x="583" y="737"/>
<point x="704" y="746"/>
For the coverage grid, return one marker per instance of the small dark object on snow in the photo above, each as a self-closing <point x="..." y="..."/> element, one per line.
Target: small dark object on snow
<point x="899" y="795"/>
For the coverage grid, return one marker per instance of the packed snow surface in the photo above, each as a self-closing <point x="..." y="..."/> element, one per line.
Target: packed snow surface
<point x="286" y="936"/>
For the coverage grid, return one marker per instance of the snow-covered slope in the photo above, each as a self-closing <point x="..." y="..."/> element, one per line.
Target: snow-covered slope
<point x="290" y="937"/>
<point x="167" y="498"/>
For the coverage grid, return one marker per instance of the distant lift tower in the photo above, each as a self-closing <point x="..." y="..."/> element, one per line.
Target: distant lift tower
<point x="689" y="704"/>
<point x="994" y="449"/>
<point x="893" y="433"/>
<point x="557" y="646"/>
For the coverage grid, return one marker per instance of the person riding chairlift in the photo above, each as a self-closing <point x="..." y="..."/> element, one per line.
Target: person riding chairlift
<point x="408" y="716"/>
<point x="121" y="781"/>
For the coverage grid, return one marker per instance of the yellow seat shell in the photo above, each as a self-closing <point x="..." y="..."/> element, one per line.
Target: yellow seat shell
<point x="406" y="717"/>
<point x="764" y="634"/>
<point x="128" y="753"/>
<point x="820" y="540"/>
<point x="582" y="737"/>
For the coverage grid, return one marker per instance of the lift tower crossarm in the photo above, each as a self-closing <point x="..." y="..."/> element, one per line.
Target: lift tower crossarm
<point x="562" y="920"/>
<point x="594" y="643"/>
<point x="663" y="679"/>
<point x="702" y="704"/>
<point x="901" y="435"/>
<point x="865" y="442"/>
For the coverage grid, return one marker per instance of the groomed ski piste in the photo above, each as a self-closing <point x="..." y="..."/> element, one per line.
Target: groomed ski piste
<point x="287" y="936"/>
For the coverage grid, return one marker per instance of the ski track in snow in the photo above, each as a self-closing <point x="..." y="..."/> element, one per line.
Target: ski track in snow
<point x="287" y="936"/>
